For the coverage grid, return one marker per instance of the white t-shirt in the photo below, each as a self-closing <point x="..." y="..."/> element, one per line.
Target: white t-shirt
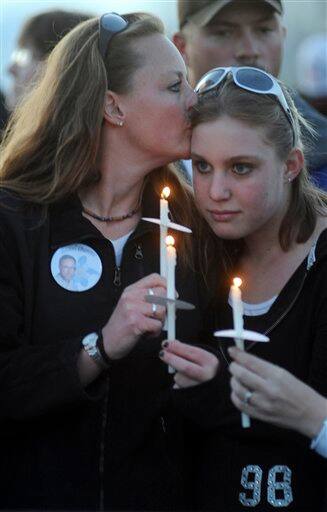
<point x="260" y="308"/>
<point x="118" y="246"/>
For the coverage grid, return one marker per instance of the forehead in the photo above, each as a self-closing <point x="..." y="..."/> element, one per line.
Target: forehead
<point x="216" y="138"/>
<point x="67" y="259"/>
<point x="244" y="12"/>
<point x="158" y="52"/>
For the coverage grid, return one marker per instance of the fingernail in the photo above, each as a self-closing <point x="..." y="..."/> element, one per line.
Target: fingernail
<point x="165" y="344"/>
<point x="161" y="353"/>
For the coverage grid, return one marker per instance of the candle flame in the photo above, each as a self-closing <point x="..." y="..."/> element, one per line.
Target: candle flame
<point x="165" y="193"/>
<point x="237" y="281"/>
<point x="170" y="240"/>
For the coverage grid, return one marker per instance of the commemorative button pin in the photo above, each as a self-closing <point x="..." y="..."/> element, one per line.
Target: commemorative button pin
<point x="76" y="267"/>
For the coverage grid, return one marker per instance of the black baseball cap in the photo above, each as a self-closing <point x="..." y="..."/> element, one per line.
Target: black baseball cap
<point x="201" y="12"/>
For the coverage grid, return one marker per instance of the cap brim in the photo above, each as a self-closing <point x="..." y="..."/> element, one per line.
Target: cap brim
<point x="205" y="15"/>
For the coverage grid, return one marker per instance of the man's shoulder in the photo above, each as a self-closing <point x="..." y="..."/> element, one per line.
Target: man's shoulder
<point x="185" y="168"/>
<point x="317" y="156"/>
<point x="318" y="120"/>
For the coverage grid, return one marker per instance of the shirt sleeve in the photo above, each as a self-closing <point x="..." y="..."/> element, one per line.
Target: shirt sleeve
<point x="319" y="443"/>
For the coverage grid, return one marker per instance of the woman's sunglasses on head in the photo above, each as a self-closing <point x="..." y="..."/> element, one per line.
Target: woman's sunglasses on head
<point x="109" y="25"/>
<point x="248" y="78"/>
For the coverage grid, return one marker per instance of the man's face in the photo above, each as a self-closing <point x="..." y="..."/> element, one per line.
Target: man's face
<point x="25" y="63"/>
<point x="67" y="268"/>
<point x="242" y="34"/>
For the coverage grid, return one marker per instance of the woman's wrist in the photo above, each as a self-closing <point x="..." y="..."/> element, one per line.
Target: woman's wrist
<point x="315" y="416"/>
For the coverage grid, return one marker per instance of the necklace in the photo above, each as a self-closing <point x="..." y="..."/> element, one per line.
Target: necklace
<point x="111" y="218"/>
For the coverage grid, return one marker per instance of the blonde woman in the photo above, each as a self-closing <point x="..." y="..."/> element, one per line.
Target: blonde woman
<point x="252" y="189"/>
<point x="87" y="421"/>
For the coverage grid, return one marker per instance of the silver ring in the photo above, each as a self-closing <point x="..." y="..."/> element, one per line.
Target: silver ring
<point x="154" y="308"/>
<point x="247" y="397"/>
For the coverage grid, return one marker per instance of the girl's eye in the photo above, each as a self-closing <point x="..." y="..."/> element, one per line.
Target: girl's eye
<point x="176" y="87"/>
<point x="201" y="166"/>
<point x="242" y="169"/>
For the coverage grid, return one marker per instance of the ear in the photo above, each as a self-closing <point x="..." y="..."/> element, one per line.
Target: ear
<point x="294" y="164"/>
<point x="284" y="32"/>
<point x="180" y="43"/>
<point x="112" y="111"/>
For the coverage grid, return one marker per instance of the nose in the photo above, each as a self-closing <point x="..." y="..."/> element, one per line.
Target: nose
<point x="192" y="98"/>
<point x="247" y="49"/>
<point x="219" y="189"/>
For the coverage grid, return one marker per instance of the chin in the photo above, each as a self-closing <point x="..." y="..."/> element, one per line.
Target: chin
<point x="224" y="231"/>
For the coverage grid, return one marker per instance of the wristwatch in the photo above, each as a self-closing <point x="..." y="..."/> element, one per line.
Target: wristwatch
<point x="93" y="345"/>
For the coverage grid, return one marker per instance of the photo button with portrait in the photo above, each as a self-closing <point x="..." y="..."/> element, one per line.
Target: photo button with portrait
<point x="76" y="267"/>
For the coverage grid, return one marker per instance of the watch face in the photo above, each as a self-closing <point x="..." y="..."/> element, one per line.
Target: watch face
<point x="90" y="340"/>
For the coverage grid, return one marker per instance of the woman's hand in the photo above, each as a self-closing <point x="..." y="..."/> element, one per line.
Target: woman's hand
<point x="276" y="396"/>
<point x="193" y="365"/>
<point x="133" y="316"/>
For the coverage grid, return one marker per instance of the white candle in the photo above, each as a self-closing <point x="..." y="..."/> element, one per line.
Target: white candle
<point x="171" y="309"/>
<point x="171" y="264"/>
<point x="237" y="304"/>
<point x="164" y="220"/>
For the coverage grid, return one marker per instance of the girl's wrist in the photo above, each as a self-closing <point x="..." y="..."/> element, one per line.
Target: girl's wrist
<point x="315" y="418"/>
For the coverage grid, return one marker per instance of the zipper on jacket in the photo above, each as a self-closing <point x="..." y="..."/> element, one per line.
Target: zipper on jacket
<point x="117" y="276"/>
<point x="138" y="252"/>
<point x="163" y="424"/>
<point x="103" y="444"/>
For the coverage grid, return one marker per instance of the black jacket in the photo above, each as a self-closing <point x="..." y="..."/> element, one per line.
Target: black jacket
<point x="117" y="444"/>
<point x="265" y="467"/>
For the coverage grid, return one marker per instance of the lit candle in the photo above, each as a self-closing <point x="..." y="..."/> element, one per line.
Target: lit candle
<point x="164" y="220"/>
<point x="237" y="305"/>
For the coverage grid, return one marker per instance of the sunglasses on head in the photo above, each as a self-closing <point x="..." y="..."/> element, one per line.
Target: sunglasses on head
<point x="109" y="25"/>
<point x="248" y="78"/>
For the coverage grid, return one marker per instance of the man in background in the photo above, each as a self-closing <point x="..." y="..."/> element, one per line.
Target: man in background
<point x="37" y="38"/>
<point x="216" y="33"/>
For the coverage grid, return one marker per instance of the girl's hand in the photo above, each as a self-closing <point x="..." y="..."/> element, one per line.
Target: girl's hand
<point x="193" y="365"/>
<point x="276" y="396"/>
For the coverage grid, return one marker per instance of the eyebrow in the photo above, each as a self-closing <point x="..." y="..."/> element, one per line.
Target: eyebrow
<point x="219" y="23"/>
<point x="179" y="74"/>
<point x="195" y="155"/>
<point x="236" y="158"/>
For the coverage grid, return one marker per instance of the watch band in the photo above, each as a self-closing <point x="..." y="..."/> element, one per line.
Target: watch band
<point x="102" y="351"/>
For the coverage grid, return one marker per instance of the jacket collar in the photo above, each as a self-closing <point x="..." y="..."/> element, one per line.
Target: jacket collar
<point x="288" y="295"/>
<point x="293" y="288"/>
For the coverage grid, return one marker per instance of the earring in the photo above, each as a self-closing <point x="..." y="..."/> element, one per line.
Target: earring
<point x="289" y="180"/>
<point x="120" y="123"/>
